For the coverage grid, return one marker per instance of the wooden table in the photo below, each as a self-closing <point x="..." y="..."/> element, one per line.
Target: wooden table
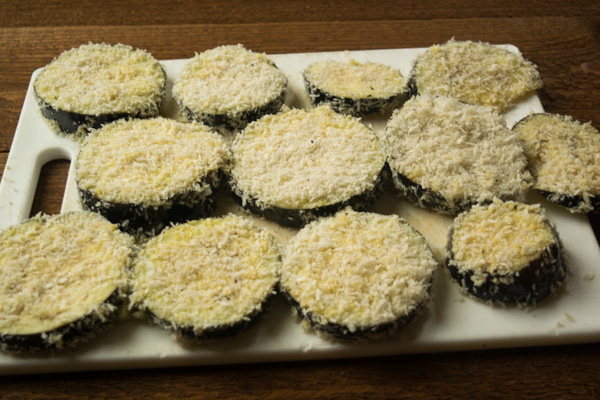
<point x="562" y="38"/>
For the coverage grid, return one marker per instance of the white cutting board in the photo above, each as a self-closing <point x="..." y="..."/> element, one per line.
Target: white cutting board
<point x="452" y="321"/>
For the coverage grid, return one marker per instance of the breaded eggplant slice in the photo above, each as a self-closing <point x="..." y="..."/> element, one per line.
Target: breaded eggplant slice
<point x="357" y="275"/>
<point x="93" y="84"/>
<point x="474" y="72"/>
<point x="62" y="280"/>
<point x="563" y="160"/>
<point x="298" y="165"/>
<point x="354" y="88"/>
<point x="447" y="155"/>
<point x="506" y="252"/>
<point x="228" y="87"/>
<point x="148" y="173"/>
<point x="207" y="279"/>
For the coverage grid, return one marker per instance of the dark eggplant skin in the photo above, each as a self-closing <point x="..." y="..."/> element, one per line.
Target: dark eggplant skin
<point x="71" y="334"/>
<point x="574" y="203"/>
<point x="354" y="107"/>
<point x="216" y="332"/>
<point x="529" y="286"/>
<point x="76" y="123"/>
<point x="413" y="90"/>
<point x="297" y="218"/>
<point x="427" y="198"/>
<point x="344" y="333"/>
<point x="71" y="123"/>
<point x="140" y="219"/>
<point x="234" y="121"/>
<point x="412" y="86"/>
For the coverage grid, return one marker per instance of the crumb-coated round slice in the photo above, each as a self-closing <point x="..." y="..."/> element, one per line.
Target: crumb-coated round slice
<point x="62" y="280"/>
<point x="506" y="252"/>
<point x="563" y="160"/>
<point x="207" y="279"/>
<point x="93" y="84"/>
<point x="474" y="72"/>
<point x="357" y="275"/>
<point x="229" y="86"/>
<point x="448" y="155"/>
<point x="145" y="174"/>
<point x="298" y="165"/>
<point x="355" y="88"/>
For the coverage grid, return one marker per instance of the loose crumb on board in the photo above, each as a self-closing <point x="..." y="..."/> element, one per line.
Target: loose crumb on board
<point x="560" y="324"/>
<point x="589" y="277"/>
<point x="569" y="317"/>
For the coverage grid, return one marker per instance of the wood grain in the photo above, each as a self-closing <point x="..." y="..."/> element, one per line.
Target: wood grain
<point x="569" y="60"/>
<point x="562" y="38"/>
<point x="140" y="12"/>
<point x="532" y="373"/>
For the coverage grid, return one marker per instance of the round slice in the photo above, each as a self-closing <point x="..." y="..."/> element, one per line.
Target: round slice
<point x="506" y="252"/>
<point x="447" y="155"/>
<point x="476" y="73"/>
<point x="228" y="87"/>
<point x="93" y="84"/>
<point x="62" y="280"/>
<point x="357" y="275"/>
<point x="298" y="165"/>
<point x="563" y="159"/>
<point x="145" y="174"/>
<point x="207" y="279"/>
<point x="355" y="88"/>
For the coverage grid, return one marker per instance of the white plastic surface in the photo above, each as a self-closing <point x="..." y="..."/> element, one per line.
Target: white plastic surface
<point x="452" y="321"/>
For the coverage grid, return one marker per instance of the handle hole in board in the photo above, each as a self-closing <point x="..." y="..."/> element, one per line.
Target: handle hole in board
<point x="50" y="188"/>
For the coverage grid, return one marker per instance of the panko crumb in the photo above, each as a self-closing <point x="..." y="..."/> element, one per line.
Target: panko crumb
<point x="569" y="317"/>
<point x="589" y="277"/>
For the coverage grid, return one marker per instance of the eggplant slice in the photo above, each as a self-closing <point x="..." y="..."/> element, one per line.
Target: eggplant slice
<point x="94" y="84"/>
<point x="299" y="165"/>
<point x="147" y="174"/>
<point x="355" y="88"/>
<point x="447" y="155"/>
<point x="357" y="275"/>
<point x="563" y="160"/>
<point x="62" y="280"/>
<point x="228" y="87"/>
<point x="207" y="279"/>
<point x="506" y="252"/>
<point x="474" y="72"/>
